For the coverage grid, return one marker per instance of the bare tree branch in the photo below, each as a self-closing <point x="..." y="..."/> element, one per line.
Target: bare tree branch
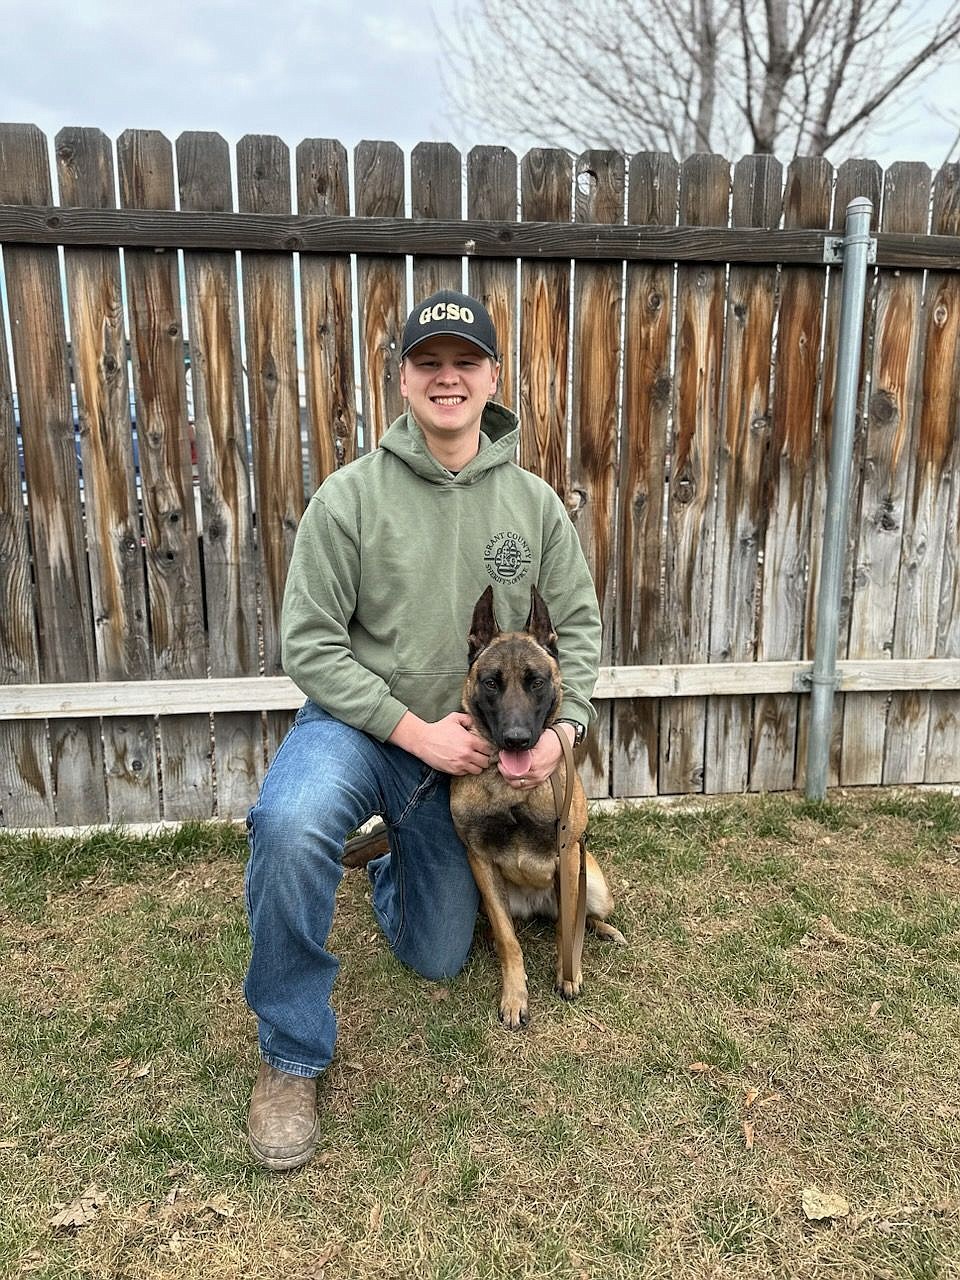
<point x="781" y="76"/>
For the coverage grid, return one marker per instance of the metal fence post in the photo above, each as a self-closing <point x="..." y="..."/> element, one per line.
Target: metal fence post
<point x="855" y="249"/>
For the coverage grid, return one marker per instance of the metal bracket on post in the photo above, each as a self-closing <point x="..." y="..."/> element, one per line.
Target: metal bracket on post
<point x="833" y="250"/>
<point x="853" y="253"/>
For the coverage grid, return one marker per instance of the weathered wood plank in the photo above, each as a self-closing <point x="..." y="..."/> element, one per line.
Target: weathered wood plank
<point x="647" y="395"/>
<point x="592" y="499"/>
<point x="435" y="194"/>
<point x="38" y="341"/>
<point x="854" y="178"/>
<point x="938" y="456"/>
<point x="245" y="693"/>
<point x="492" y="194"/>
<point x="788" y="478"/>
<point x="396" y="235"/>
<point x="115" y="558"/>
<point x="223" y="471"/>
<point x="263" y="186"/>
<point x="381" y="289"/>
<point x="704" y="194"/>
<point x="26" y="789"/>
<point x="888" y="455"/>
<point x="744" y="437"/>
<point x="323" y="187"/>
<point x="545" y="182"/>
<point x="145" y="163"/>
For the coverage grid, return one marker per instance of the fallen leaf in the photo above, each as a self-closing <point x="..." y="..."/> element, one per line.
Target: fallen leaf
<point x="328" y="1254"/>
<point x="699" y="1068"/>
<point x="875" y="1008"/>
<point x="139" y="1072"/>
<point x="765" y="1102"/>
<point x="220" y="1206"/>
<point x="820" y="1205"/>
<point x="454" y="1085"/>
<point x="376" y="1217"/>
<point x="440" y="993"/>
<point x="422" y="1178"/>
<point x="748" y="1134"/>
<point x="80" y="1213"/>
<point x="751" y="1097"/>
<point x="173" y="1195"/>
<point x="827" y="930"/>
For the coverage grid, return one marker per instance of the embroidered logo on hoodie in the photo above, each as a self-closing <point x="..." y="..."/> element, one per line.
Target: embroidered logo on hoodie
<point x="507" y="557"/>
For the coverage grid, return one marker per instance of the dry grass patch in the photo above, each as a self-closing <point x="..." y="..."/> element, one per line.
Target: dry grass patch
<point x="785" y="1018"/>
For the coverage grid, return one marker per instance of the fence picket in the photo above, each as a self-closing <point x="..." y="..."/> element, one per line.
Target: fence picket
<point x="644" y="432"/>
<point x="704" y="193"/>
<point x="788" y="478"/>
<point x="492" y="194"/>
<point x="26" y="790"/>
<point x="323" y="187"/>
<point x="887" y="464"/>
<point x="381" y="289"/>
<point x="263" y="186"/>
<point x="435" y="170"/>
<point x="598" y="299"/>
<point x="85" y="169"/>
<point x="145" y="162"/>
<point x="744" y="437"/>
<point x="41" y="367"/>
<point x="937" y="484"/>
<point x="223" y="470"/>
<point x="545" y="183"/>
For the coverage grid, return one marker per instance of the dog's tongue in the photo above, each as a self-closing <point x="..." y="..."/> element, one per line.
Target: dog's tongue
<point x="516" y="763"/>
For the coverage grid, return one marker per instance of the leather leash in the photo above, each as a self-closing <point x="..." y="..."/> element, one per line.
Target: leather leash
<point x="571" y="870"/>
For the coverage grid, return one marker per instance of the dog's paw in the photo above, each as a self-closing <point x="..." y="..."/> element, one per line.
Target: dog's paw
<point x="514" y="1013"/>
<point x="569" y="990"/>
<point x="607" y="932"/>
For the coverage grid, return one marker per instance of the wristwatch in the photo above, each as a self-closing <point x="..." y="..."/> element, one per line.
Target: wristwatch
<point x="579" y="730"/>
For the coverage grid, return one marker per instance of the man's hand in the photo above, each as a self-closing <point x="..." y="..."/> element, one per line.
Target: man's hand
<point x="449" y="745"/>
<point x="544" y="758"/>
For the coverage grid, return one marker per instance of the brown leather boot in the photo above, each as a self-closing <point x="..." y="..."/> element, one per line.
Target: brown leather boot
<point x="282" y="1124"/>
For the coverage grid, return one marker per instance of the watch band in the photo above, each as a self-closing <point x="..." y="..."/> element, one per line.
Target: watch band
<point x="579" y="730"/>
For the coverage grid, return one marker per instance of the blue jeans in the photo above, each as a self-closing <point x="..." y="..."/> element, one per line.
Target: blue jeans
<point x="325" y="781"/>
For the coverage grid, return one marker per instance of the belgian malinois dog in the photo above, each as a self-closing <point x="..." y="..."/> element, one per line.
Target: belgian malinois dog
<point x="513" y="693"/>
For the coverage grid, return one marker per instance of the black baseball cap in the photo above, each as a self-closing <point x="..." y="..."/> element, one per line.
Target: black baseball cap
<point x="450" y="314"/>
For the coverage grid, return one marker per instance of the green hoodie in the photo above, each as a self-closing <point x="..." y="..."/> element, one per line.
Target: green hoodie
<point x="391" y="556"/>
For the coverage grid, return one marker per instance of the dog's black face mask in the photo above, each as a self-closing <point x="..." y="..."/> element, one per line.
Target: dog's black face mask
<point x="513" y="689"/>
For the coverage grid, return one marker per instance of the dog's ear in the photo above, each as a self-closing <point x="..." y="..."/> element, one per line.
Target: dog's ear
<point x="483" y="627"/>
<point x="539" y="626"/>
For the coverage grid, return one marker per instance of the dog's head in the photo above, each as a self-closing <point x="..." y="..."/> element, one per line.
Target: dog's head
<point x="512" y="689"/>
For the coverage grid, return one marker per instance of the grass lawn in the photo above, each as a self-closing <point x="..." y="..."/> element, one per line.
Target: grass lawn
<point x="785" y="1020"/>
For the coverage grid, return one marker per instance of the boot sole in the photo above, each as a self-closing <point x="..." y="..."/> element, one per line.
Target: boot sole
<point x="278" y="1164"/>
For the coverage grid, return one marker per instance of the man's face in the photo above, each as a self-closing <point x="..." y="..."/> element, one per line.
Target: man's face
<point x="447" y="383"/>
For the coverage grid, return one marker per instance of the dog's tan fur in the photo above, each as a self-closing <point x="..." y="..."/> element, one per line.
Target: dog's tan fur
<point x="510" y="834"/>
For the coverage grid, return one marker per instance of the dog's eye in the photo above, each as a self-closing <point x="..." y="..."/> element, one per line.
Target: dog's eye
<point x="490" y="682"/>
<point x="536" y="683"/>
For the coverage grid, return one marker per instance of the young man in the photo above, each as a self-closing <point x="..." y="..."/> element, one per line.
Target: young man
<point x="391" y="556"/>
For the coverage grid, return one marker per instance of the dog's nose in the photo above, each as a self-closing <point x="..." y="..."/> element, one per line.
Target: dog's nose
<point x="516" y="739"/>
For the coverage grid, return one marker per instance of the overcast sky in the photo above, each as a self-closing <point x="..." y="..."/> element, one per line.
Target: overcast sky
<point x="349" y="69"/>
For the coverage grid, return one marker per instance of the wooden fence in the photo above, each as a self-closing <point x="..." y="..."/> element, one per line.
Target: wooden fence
<point x="184" y="372"/>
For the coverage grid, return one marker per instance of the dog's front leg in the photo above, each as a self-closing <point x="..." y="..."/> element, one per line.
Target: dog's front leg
<point x="513" y="996"/>
<point x="569" y="990"/>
